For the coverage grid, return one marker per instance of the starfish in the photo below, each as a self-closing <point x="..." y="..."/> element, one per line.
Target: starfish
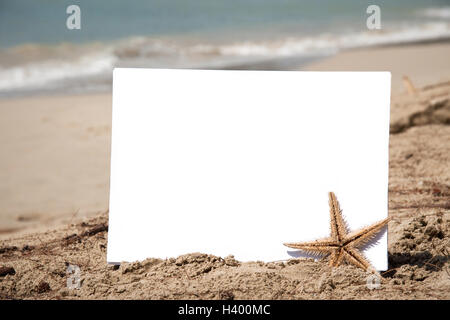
<point x="342" y="245"/>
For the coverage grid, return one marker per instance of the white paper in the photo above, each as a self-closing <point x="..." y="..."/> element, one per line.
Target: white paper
<point x="239" y="162"/>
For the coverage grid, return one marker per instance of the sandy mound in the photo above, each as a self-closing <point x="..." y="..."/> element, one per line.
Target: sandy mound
<point x="37" y="268"/>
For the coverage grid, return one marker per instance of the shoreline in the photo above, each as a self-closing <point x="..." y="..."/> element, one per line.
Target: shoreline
<point x="304" y="61"/>
<point x="283" y="63"/>
<point x="321" y="62"/>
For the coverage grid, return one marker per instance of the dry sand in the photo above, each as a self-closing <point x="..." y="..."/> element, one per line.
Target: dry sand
<point x="55" y="163"/>
<point x="424" y="64"/>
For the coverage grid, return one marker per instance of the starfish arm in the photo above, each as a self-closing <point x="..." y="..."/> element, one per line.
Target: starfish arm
<point x="326" y="242"/>
<point x="337" y="222"/>
<point x="313" y="252"/>
<point x="353" y="256"/>
<point x="318" y="247"/>
<point x="336" y="257"/>
<point x="366" y="234"/>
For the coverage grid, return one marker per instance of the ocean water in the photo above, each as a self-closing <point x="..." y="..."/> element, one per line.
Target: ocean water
<point x="38" y="54"/>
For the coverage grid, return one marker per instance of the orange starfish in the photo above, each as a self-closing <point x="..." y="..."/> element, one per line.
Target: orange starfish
<point x="342" y="245"/>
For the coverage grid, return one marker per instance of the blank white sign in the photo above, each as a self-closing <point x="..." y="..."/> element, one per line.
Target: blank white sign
<point x="239" y="162"/>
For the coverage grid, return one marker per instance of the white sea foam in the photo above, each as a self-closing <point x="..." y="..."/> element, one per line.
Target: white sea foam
<point x="43" y="73"/>
<point x="289" y="46"/>
<point x="443" y="12"/>
<point x="332" y="43"/>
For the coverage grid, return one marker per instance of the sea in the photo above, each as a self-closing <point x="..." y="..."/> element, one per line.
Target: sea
<point x="39" y="54"/>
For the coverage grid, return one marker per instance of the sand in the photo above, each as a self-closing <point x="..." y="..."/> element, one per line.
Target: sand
<point x="55" y="160"/>
<point x="424" y="63"/>
<point x="54" y="198"/>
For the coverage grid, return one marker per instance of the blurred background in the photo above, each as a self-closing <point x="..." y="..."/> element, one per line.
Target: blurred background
<point x="39" y="54"/>
<point x="55" y="83"/>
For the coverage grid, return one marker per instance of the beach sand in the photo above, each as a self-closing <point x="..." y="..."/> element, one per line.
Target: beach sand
<point x="55" y="160"/>
<point x="424" y="64"/>
<point x="54" y="175"/>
